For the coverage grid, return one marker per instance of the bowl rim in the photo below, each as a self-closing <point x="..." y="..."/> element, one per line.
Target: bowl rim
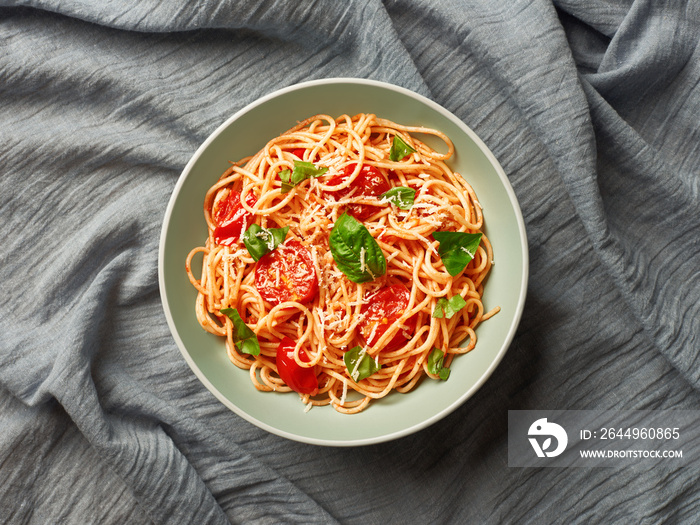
<point x="515" y="320"/>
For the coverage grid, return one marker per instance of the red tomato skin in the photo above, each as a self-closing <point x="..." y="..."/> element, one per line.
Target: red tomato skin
<point x="299" y="379"/>
<point x="369" y="183"/>
<point x="299" y="152"/>
<point x="232" y="218"/>
<point x="297" y="274"/>
<point x="383" y="308"/>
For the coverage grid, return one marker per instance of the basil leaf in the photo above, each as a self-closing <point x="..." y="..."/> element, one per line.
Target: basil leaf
<point x="302" y="171"/>
<point x="244" y="338"/>
<point x="399" y="149"/>
<point x="286" y="177"/>
<point x="456" y="249"/>
<point x="260" y="241"/>
<point x="400" y="196"/>
<point x="449" y="307"/>
<point x="355" y="251"/>
<point x="360" y="364"/>
<point x="435" y="360"/>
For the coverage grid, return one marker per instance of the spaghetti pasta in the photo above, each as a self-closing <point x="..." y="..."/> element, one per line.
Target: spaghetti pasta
<point x="321" y="252"/>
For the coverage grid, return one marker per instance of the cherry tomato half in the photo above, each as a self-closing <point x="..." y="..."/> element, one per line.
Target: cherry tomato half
<point x="232" y="218"/>
<point x="369" y="183"/>
<point x="299" y="379"/>
<point x="383" y="308"/>
<point x="286" y="274"/>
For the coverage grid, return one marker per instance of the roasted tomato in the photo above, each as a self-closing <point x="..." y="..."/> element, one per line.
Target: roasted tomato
<point x="369" y="183"/>
<point x="286" y="274"/>
<point x="232" y="218"/>
<point x="299" y="379"/>
<point x="383" y="308"/>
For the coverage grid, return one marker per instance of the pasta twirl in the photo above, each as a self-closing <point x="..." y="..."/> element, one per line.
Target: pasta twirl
<point x="322" y="246"/>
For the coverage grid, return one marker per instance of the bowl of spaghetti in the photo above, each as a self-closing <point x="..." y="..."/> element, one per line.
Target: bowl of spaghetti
<point x="327" y="262"/>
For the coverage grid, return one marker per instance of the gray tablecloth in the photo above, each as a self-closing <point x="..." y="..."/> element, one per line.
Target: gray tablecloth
<point x="592" y="108"/>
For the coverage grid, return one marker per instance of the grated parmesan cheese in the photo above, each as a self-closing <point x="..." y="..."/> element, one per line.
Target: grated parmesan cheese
<point x="373" y="332"/>
<point x="464" y="249"/>
<point x="345" y="393"/>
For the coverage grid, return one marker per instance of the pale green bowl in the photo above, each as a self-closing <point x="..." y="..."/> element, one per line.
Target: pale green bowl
<point x="397" y="414"/>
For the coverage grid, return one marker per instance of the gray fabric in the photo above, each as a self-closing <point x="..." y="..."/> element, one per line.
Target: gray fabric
<point x="592" y="108"/>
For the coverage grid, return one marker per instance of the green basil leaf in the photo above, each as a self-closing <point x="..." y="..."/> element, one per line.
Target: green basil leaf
<point x="302" y="171"/>
<point x="305" y="170"/>
<point x="444" y="374"/>
<point x="456" y="249"/>
<point x="360" y="364"/>
<point x="400" y="196"/>
<point x="286" y="177"/>
<point x="399" y="149"/>
<point x="260" y="241"/>
<point x="448" y="307"/>
<point x="355" y="251"/>
<point x="244" y="338"/>
<point x="435" y="360"/>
